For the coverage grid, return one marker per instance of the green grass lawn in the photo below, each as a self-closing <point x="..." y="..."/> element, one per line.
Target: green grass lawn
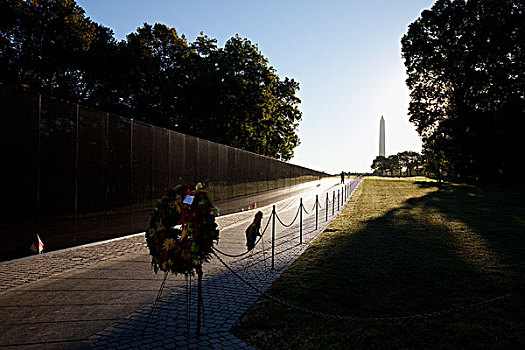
<point x="403" y="248"/>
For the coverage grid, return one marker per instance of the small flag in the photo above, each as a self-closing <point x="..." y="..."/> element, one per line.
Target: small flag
<point x="40" y="248"/>
<point x="40" y="245"/>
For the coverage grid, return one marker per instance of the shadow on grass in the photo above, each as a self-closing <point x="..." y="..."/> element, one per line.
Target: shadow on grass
<point x="448" y="246"/>
<point x="494" y="215"/>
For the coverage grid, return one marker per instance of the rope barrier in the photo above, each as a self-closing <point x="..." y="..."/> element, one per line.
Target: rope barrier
<point x="246" y="252"/>
<point x="346" y="317"/>
<point x="295" y="218"/>
<point x="364" y="319"/>
<point x="306" y="211"/>
<point x="301" y="207"/>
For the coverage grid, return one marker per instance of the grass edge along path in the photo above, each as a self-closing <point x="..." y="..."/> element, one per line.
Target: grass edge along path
<point x="404" y="248"/>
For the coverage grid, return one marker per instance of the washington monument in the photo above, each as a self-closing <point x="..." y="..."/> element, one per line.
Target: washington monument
<point x="382" y="137"/>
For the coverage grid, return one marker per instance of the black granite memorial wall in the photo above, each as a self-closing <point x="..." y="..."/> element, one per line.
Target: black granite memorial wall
<point x="74" y="175"/>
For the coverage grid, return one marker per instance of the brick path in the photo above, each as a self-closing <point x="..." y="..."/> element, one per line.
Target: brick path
<point x="101" y="296"/>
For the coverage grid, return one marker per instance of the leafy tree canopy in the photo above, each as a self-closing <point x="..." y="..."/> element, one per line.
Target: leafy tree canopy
<point x="406" y="161"/>
<point x="229" y="95"/>
<point x="465" y="62"/>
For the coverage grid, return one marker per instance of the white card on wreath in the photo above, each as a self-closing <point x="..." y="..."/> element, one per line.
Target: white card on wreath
<point x="188" y="200"/>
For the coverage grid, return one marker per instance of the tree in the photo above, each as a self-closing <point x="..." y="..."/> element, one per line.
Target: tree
<point x="229" y="95"/>
<point x="404" y="159"/>
<point x="380" y="165"/>
<point x="465" y="62"/>
<point x="414" y="161"/>
<point x="409" y="160"/>
<point x="104" y="73"/>
<point x="393" y="164"/>
<point x="41" y="46"/>
<point x="435" y="160"/>
<point x="156" y="59"/>
<point x="240" y="100"/>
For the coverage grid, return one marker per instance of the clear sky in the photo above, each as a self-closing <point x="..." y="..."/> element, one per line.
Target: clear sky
<point x="346" y="55"/>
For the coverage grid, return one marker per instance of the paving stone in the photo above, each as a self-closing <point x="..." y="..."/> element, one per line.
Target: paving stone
<point x="157" y="344"/>
<point x="226" y="298"/>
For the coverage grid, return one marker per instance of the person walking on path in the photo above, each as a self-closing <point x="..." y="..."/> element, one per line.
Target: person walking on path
<point x="342" y="177"/>
<point x="253" y="231"/>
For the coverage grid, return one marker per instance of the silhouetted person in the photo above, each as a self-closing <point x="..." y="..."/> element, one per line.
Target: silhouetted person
<point x="342" y="177"/>
<point x="253" y="231"/>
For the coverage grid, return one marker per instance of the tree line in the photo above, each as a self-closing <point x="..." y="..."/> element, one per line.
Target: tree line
<point x="408" y="161"/>
<point x="230" y="95"/>
<point x="465" y="62"/>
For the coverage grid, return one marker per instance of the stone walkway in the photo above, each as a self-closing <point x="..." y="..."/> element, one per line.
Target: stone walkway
<point x="101" y="296"/>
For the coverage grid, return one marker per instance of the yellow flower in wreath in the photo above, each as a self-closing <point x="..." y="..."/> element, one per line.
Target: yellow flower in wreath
<point x="169" y="244"/>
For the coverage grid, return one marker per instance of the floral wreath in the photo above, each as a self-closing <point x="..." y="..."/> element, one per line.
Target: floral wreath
<point x="182" y="230"/>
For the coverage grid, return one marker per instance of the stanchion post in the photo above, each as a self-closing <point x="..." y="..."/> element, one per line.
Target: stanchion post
<point x="326" y="208"/>
<point x="333" y="202"/>
<point x="199" y="299"/>
<point x="273" y="236"/>
<point x="338" y="200"/>
<point x="301" y="222"/>
<point x="316" y="211"/>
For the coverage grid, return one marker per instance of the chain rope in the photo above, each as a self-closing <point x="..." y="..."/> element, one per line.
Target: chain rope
<point x="304" y="209"/>
<point x="301" y="207"/>
<point x="317" y="204"/>
<point x="246" y="252"/>
<point x="295" y="218"/>
<point x="366" y="319"/>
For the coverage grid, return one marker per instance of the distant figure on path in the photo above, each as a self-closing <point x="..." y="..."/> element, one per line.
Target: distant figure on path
<point x="253" y="231"/>
<point x="342" y="177"/>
